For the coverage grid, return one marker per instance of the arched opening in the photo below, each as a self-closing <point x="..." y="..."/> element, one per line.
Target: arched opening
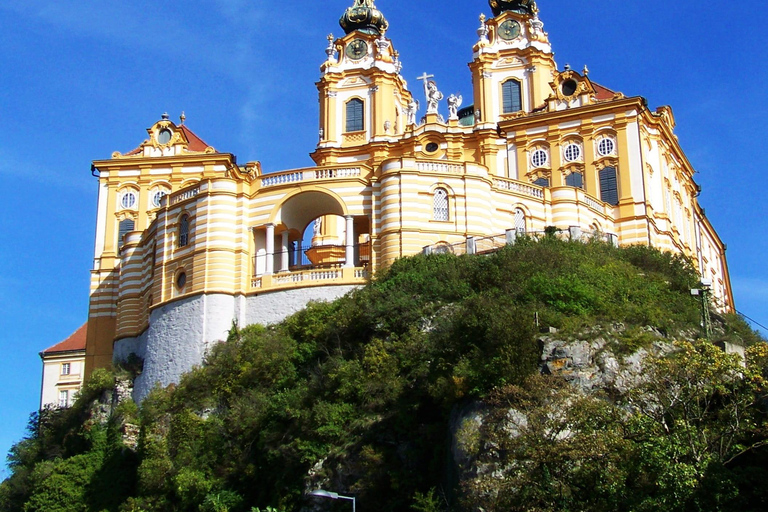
<point x="311" y="230"/>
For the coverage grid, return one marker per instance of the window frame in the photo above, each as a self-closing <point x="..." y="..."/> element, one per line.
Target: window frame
<point x="121" y="232"/>
<point x="184" y="230"/>
<point x="570" y="178"/>
<point x="353" y="125"/>
<point x="508" y="96"/>
<point x="66" y="369"/>
<point x="604" y="179"/>
<point x="440" y="212"/>
<point x="63" y="398"/>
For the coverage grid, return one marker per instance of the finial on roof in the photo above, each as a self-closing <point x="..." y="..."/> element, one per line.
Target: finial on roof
<point x="165" y="116"/>
<point x="518" y="6"/>
<point x="567" y="67"/>
<point x="182" y="117"/>
<point x="364" y="17"/>
<point x="585" y="71"/>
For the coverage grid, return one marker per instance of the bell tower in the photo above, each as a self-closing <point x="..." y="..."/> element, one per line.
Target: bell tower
<point x="362" y="94"/>
<point x="513" y="64"/>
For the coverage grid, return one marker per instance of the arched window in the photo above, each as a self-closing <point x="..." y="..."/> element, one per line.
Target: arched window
<point x="440" y="205"/>
<point x="520" y="221"/>
<point x="184" y="231"/>
<point x="512" y="99"/>
<point x="542" y="182"/>
<point x="609" y="186"/>
<point x="125" y="227"/>
<point x="575" y="179"/>
<point x="355" y="117"/>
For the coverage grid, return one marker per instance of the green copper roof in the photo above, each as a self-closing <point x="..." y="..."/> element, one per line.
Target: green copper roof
<point x="364" y="17"/>
<point x="520" y="6"/>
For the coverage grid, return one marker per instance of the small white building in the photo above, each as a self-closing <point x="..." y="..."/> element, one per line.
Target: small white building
<point x="63" y="369"/>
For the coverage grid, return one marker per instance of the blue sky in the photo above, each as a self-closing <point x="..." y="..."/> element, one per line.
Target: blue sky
<point x="81" y="79"/>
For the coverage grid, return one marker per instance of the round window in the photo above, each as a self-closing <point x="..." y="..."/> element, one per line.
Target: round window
<point x="181" y="280"/>
<point x="569" y="87"/>
<point x="128" y="200"/>
<point x="157" y="198"/>
<point x="539" y="158"/>
<point x="432" y="147"/>
<point x="164" y="137"/>
<point x="606" y="147"/>
<point x="572" y="153"/>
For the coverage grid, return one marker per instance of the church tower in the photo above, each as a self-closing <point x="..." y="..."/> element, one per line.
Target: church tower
<point x="362" y="95"/>
<point x="513" y="63"/>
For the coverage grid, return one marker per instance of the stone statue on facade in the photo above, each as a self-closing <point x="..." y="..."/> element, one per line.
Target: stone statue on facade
<point x="410" y="112"/>
<point x="454" y="102"/>
<point x="433" y="96"/>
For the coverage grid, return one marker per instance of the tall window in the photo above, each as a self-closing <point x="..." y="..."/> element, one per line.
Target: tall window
<point x="63" y="399"/>
<point x="125" y="227"/>
<point x="542" y="182"/>
<point x="520" y="221"/>
<point x="355" y="117"/>
<point x="440" y="205"/>
<point x="184" y="231"/>
<point x="609" y="186"/>
<point x="575" y="179"/>
<point x="66" y="368"/>
<point x="512" y="98"/>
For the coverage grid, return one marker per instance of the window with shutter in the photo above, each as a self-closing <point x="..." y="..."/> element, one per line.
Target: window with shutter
<point x="575" y="179"/>
<point x="125" y="227"/>
<point x="609" y="186"/>
<point x="355" y="118"/>
<point x="511" y="96"/>
<point x="440" y="205"/>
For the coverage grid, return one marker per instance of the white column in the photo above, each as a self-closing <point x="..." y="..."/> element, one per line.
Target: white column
<point x="350" y="249"/>
<point x="270" y="249"/>
<point x="284" y="266"/>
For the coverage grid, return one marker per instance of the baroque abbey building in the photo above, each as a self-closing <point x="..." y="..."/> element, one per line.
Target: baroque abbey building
<point x="188" y="240"/>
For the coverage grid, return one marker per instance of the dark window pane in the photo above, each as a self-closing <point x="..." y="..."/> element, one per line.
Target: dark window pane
<point x="542" y="182"/>
<point x="609" y="186"/>
<point x="511" y="95"/>
<point x="355" y="119"/>
<point x="184" y="231"/>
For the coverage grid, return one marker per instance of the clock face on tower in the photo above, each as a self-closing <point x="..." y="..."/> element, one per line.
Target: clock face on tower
<point x="509" y="30"/>
<point x="357" y="49"/>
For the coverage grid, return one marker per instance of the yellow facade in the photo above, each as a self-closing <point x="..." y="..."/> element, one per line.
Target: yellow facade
<point x="538" y="147"/>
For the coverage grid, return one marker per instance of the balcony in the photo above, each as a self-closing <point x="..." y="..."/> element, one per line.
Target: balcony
<point x="307" y="266"/>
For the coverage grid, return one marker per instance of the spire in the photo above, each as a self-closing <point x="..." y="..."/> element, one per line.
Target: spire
<point x="519" y="6"/>
<point x="364" y="17"/>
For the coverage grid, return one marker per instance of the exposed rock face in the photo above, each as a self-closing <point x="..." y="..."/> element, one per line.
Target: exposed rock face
<point x="592" y="364"/>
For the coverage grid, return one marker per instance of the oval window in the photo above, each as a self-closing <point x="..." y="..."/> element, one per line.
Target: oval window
<point x="569" y="87"/>
<point x="432" y="147"/>
<point x="164" y="137"/>
<point x="181" y="280"/>
<point x="539" y="158"/>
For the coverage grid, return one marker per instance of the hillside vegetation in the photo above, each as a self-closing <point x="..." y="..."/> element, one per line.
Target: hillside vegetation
<point x="369" y="396"/>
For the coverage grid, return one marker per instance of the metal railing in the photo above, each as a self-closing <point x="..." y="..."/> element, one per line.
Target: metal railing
<point x="493" y="243"/>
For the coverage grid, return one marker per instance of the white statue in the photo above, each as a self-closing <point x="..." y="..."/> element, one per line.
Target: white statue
<point x="318" y="226"/>
<point x="430" y="90"/>
<point x="433" y="96"/>
<point x="410" y="112"/>
<point x="454" y="102"/>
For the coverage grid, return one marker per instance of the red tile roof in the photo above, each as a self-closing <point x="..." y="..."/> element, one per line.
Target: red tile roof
<point x="74" y="343"/>
<point x="603" y="93"/>
<point x="195" y="142"/>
